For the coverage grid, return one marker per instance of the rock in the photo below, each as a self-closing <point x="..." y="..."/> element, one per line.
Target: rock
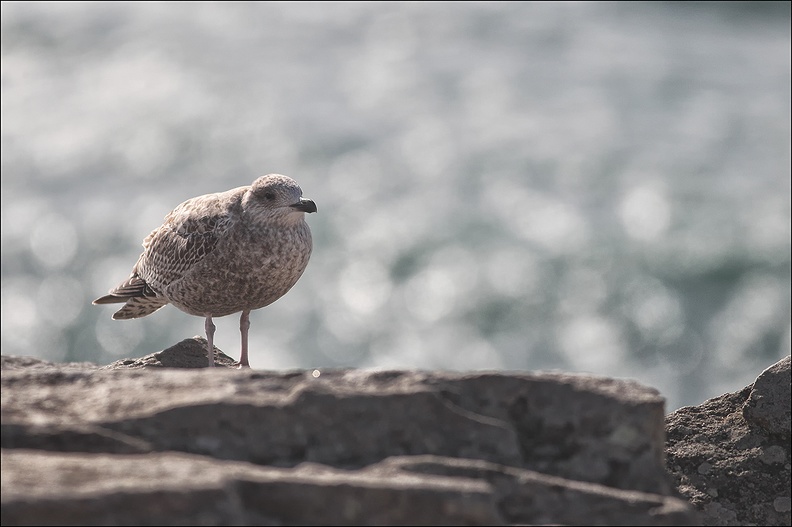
<point x="730" y="456"/>
<point x="181" y="489"/>
<point x="139" y="442"/>
<point x="189" y="353"/>
<point x="415" y="490"/>
<point x="769" y="402"/>
<point x="10" y="362"/>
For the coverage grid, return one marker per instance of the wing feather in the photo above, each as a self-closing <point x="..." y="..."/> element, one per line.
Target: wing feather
<point x="189" y="234"/>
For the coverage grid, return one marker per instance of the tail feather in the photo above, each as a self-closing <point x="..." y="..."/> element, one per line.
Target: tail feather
<point x="110" y="299"/>
<point x="139" y="307"/>
<point x="140" y="299"/>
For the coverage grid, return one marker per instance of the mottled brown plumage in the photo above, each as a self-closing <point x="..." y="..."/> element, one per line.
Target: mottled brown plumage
<point x="220" y="254"/>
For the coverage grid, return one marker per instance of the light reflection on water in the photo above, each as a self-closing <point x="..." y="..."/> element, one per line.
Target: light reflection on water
<point x="588" y="187"/>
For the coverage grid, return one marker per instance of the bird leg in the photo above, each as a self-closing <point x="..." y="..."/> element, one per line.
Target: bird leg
<point x="244" y="325"/>
<point x="210" y="329"/>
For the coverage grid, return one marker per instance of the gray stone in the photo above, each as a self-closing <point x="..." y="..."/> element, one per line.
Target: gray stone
<point x="47" y="488"/>
<point x="768" y="405"/>
<point x="531" y="498"/>
<point x="12" y="362"/>
<point x="140" y="442"/>
<point x="189" y="353"/>
<point x="783" y="504"/>
<point x="730" y="455"/>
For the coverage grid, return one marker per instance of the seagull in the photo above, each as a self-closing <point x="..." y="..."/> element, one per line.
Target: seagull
<point x="220" y="254"/>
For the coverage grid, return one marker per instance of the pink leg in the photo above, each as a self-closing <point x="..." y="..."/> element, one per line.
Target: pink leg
<point x="210" y="329"/>
<point x="244" y="325"/>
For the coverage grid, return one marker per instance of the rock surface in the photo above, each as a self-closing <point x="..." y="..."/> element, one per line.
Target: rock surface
<point x="152" y="441"/>
<point x="731" y="455"/>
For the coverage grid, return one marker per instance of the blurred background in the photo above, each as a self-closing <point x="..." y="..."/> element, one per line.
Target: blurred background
<point x="587" y="187"/>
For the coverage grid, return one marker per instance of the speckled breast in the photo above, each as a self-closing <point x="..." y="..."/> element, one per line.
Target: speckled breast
<point x="246" y="271"/>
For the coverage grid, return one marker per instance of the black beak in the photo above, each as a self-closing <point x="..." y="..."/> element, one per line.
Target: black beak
<point x="305" y="205"/>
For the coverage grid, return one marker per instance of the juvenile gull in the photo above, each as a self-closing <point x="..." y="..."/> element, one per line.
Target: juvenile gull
<point x="222" y="253"/>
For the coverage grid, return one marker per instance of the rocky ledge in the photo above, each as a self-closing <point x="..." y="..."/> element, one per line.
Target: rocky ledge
<point x="161" y="441"/>
<point x="730" y="456"/>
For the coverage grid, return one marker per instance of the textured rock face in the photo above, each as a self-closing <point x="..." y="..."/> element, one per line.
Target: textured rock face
<point x="138" y="443"/>
<point x="731" y="455"/>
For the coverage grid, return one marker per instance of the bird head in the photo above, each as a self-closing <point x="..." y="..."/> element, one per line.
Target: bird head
<point x="275" y="197"/>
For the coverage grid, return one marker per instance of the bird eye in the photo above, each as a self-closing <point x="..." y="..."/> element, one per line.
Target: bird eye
<point x="270" y="196"/>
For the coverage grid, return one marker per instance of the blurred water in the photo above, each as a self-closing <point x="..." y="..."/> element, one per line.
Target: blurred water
<point x="598" y="187"/>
